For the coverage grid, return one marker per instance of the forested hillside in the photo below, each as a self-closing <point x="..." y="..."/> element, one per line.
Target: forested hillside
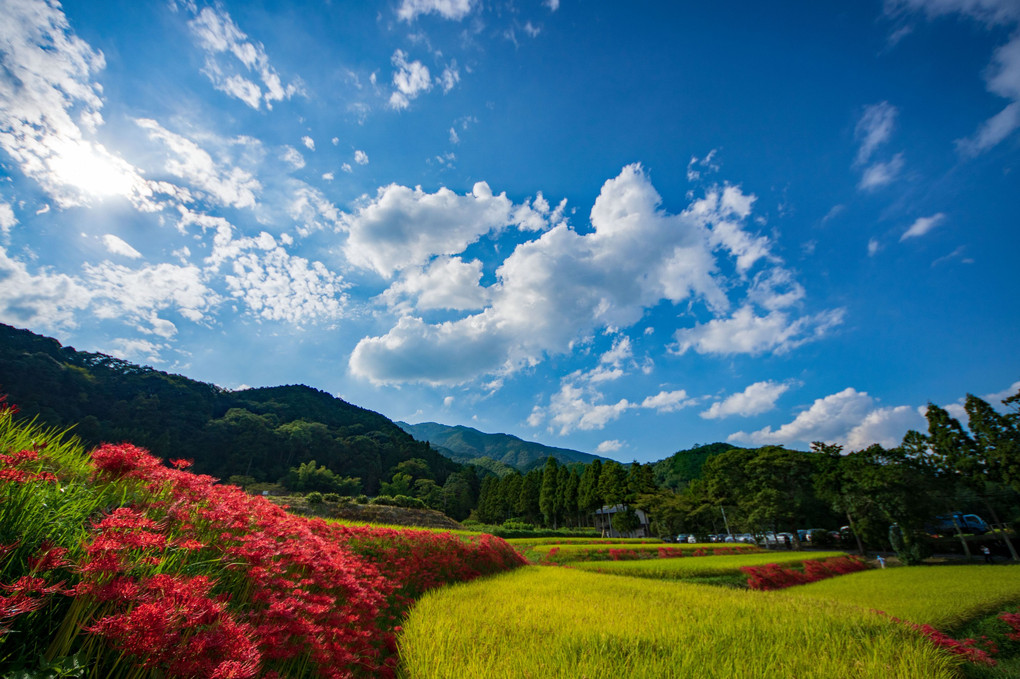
<point x="261" y="433"/>
<point x="470" y="445"/>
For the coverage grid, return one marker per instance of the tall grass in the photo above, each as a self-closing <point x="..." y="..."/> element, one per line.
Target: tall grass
<point x="941" y="596"/>
<point x="543" y="622"/>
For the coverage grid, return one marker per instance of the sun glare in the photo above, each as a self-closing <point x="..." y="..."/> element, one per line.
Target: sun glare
<point x="93" y="170"/>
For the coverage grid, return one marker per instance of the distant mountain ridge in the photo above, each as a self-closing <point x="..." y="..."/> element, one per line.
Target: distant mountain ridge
<point x="465" y="444"/>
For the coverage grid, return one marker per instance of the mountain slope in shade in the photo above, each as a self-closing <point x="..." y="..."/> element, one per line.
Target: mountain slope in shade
<point x="465" y="444"/>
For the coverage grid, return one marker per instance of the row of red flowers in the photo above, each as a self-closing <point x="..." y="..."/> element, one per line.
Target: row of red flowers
<point x="190" y="578"/>
<point x="773" y="576"/>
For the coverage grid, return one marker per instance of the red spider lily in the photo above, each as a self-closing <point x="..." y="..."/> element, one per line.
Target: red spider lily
<point x="6" y="407"/>
<point x="967" y="648"/>
<point x="47" y="558"/>
<point x="181" y="463"/>
<point x="1013" y="620"/>
<point x="773" y="576"/>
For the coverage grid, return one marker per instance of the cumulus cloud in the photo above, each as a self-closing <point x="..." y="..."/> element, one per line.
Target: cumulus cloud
<point x="446" y="283"/>
<point x="563" y="285"/>
<point x="360" y="157"/>
<point x="308" y="142"/>
<point x="455" y="10"/>
<point x="757" y="398"/>
<point x="610" y="446"/>
<point x="217" y="34"/>
<point x="850" y="418"/>
<point x="117" y="246"/>
<point x="668" y="401"/>
<point x="745" y="332"/>
<point x="410" y="80"/>
<point x="292" y="157"/>
<point x="923" y="226"/>
<point x="403" y="227"/>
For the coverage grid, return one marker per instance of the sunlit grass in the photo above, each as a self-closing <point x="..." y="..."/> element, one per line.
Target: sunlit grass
<point x="941" y="596"/>
<point x="544" y="622"/>
<point x="702" y="566"/>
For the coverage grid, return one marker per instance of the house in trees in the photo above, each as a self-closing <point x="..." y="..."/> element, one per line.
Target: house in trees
<point x="620" y="521"/>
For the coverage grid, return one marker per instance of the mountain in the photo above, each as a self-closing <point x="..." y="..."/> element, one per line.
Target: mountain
<point x="260" y="433"/>
<point x="465" y="444"/>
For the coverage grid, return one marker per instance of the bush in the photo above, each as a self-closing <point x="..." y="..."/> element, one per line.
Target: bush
<point x="384" y="500"/>
<point x="409" y="502"/>
<point x="314" y="498"/>
<point x="361" y="500"/>
<point x="331" y="497"/>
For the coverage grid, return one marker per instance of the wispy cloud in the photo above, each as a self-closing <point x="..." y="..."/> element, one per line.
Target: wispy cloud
<point x="922" y="226"/>
<point x="217" y="34"/>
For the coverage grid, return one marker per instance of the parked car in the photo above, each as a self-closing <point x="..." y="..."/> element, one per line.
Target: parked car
<point x="969" y="523"/>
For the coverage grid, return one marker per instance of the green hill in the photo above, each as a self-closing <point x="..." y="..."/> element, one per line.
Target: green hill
<point x="260" y="433"/>
<point x="470" y="445"/>
<point x="682" y="467"/>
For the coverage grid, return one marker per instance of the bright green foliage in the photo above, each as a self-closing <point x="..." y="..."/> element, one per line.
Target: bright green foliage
<point x="588" y="496"/>
<point x="308" y="477"/>
<point x="543" y="622"/>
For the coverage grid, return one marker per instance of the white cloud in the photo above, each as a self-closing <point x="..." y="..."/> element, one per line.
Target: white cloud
<point x="562" y="285"/>
<point x="873" y="247"/>
<point x="532" y="30"/>
<point x="139" y="349"/>
<point x="308" y="142"/>
<point x="668" y="401"/>
<point x="405" y="227"/>
<point x="40" y="300"/>
<point x="446" y="283"/>
<point x="140" y="294"/>
<point x="449" y="78"/>
<point x="878" y="175"/>
<point x="346" y="167"/>
<point x="747" y="333"/>
<point x="610" y="446"/>
<point x="227" y="185"/>
<point x="328" y="176"/>
<point x="117" y="246"/>
<point x="757" y="398"/>
<point x="874" y="129"/>
<point x="292" y="157"/>
<point x="7" y="219"/>
<point x="360" y="157"/>
<point x="49" y="106"/>
<point x="454" y="139"/>
<point x="454" y="10"/>
<point x="849" y="418"/>
<point x="999" y="396"/>
<point x="923" y="226"/>
<point x="410" y="80"/>
<point x="553" y="5"/>
<point x="217" y="34"/>
<point x="573" y="407"/>
<point x="1002" y="75"/>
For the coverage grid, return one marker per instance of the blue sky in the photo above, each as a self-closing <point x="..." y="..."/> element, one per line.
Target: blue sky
<point x="619" y="228"/>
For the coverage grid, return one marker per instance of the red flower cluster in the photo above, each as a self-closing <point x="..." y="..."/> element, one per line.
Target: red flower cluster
<point x="196" y="579"/>
<point x="773" y="576"/>
<point x="10" y="463"/>
<point x="967" y="648"/>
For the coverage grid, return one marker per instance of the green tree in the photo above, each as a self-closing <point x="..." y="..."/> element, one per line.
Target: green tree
<point x="588" y="497"/>
<point x="547" y="493"/>
<point x="613" y="483"/>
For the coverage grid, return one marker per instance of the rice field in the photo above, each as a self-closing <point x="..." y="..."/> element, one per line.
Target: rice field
<point x="546" y="622"/>
<point x="700" y="567"/>
<point x="941" y="596"/>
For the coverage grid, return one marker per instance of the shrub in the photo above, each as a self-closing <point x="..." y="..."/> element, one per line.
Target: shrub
<point x="314" y="498"/>
<point x="361" y="500"/>
<point x="331" y="497"/>
<point x="384" y="500"/>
